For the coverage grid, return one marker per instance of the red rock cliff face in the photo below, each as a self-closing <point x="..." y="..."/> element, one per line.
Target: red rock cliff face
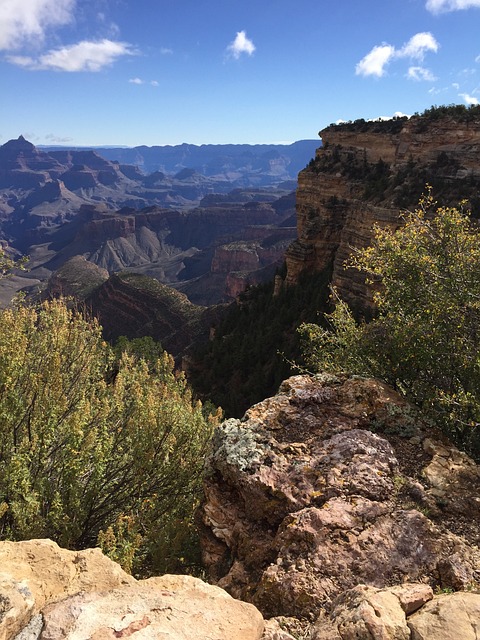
<point x="365" y="175"/>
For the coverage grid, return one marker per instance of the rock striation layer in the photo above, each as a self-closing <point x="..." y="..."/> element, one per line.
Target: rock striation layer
<point x="365" y="174"/>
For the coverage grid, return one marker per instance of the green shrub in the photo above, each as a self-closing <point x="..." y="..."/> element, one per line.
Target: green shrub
<point x="424" y="339"/>
<point x="88" y="443"/>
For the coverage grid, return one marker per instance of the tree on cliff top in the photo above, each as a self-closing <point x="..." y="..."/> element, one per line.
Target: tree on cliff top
<point x="424" y="340"/>
<point x="90" y="445"/>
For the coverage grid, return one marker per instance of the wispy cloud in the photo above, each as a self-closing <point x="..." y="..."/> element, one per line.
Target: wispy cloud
<point x="420" y="73"/>
<point x="138" y="81"/>
<point x="376" y="61"/>
<point x="240" y="45"/>
<point x="23" y="20"/>
<point x="165" y="51"/>
<point x="470" y="100"/>
<point x="84" y="56"/>
<point x="418" y="46"/>
<point x="443" y="6"/>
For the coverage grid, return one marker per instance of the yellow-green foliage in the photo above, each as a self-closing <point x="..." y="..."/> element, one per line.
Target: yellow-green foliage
<point x="89" y="443"/>
<point x="425" y="338"/>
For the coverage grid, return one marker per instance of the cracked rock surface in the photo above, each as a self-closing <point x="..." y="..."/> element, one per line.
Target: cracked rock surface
<point x="332" y="483"/>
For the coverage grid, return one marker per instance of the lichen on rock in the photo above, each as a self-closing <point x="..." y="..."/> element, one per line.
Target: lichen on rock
<point x="321" y="487"/>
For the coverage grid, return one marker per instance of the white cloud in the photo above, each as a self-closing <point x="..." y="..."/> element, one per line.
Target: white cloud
<point x="138" y="81"/>
<point x="21" y="20"/>
<point x="84" y="56"/>
<point x="374" y="63"/>
<point x="420" y="73"/>
<point x="397" y="114"/>
<point x="21" y="61"/>
<point x="470" y="100"/>
<point x="165" y="51"/>
<point x="240" y="45"/>
<point x="418" y="45"/>
<point x="443" y="6"/>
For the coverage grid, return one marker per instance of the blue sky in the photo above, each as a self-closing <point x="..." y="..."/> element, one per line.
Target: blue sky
<point x="155" y="72"/>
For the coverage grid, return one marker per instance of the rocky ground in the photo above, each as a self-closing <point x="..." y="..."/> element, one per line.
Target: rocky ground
<point x="334" y="495"/>
<point x="332" y="511"/>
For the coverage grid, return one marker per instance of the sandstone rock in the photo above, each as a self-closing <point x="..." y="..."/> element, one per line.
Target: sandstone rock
<point x="37" y="572"/>
<point x="447" y="617"/>
<point x="366" y="613"/>
<point x="412" y="596"/>
<point x="174" y="607"/>
<point x="48" y="593"/>
<point x="276" y="629"/>
<point x="336" y="210"/>
<point x="317" y="490"/>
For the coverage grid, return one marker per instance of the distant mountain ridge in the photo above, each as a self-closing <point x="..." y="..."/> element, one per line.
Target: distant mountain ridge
<point x="211" y="159"/>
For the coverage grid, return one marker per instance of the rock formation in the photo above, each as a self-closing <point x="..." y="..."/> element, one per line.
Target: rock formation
<point x="405" y="612"/>
<point x="63" y="203"/>
<point x="332" y="483"/>
<point x="365" y="174"/>
<point x="48" y="593"/>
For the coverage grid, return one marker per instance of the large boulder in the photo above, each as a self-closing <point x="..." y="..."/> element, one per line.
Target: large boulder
<point x="48" y="593"/>
<point x="366" y="613"/>
<point x="334" y="482"/>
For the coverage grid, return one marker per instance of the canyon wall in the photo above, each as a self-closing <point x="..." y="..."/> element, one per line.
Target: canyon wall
<point x="366" y="174"/>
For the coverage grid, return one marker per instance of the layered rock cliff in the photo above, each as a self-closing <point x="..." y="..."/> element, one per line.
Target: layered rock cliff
<point x="366" y="173"/>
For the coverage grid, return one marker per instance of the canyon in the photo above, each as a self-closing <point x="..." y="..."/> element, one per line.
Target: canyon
<point x="60" y="203"/>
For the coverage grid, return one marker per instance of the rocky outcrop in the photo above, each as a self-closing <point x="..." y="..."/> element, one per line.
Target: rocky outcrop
<point x="77" y="278"/>
<point x="334" y="482"/>
<point x="48" y="593"/>
<point x="364" y="175"/>
<point x="366" y="613"/>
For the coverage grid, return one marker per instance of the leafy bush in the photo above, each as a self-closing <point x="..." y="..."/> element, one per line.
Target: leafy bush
<point x="424" y="339"/>
<point x="88" y="443"/>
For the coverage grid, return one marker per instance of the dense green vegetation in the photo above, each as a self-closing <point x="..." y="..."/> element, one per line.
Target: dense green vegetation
<point x="93" y="446"/>
<point x="394" y="125"/>
<point x="256" y="342"/>
<point x="424" y="340"/>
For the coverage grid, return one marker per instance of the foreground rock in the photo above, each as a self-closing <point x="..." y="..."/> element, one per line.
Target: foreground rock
<point x="366" y="613"/>
<point x="333" y="483"/>
<point x="48" y="593"/>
